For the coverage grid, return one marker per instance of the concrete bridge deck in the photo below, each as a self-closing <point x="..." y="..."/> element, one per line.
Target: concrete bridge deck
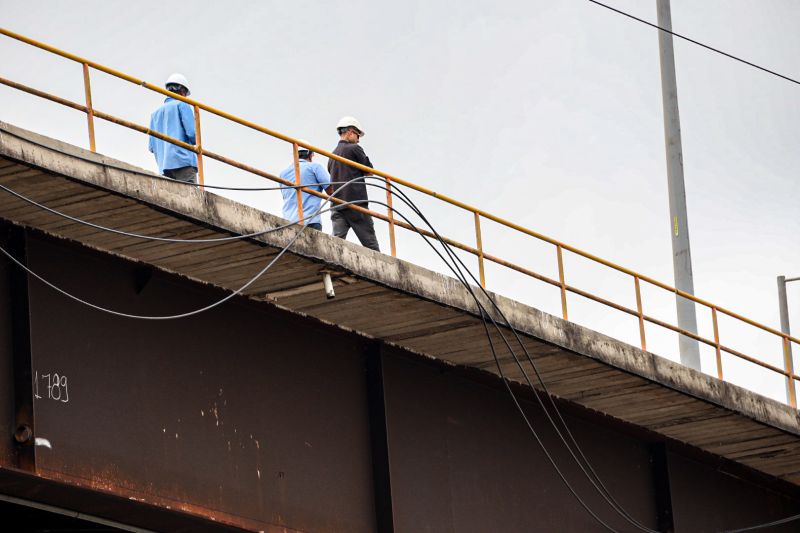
<point x="384" y="298"/>
<point x="391" y="419"/>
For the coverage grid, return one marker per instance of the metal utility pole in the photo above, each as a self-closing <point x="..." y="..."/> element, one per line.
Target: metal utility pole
<point x="679" y="224"/>
<point x="784" y="311"/>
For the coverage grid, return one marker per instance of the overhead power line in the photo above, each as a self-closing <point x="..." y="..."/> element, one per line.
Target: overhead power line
<point x="698" y="43"/>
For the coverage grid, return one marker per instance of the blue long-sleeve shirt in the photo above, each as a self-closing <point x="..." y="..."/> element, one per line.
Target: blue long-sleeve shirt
<point x="315" y="177"/>
<point x="175" y="119"/>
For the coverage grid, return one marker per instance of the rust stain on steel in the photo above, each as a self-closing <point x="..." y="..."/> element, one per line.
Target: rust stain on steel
<point x="184" y="417"/>
<point x="109" y="485"/>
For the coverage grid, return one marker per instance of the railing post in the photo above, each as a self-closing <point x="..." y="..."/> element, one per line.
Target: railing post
<point x="298" y="182"/>
<point x="561" y="282"/>
<point x="89" y="110"/>
<point x="390" y="214"/>
<point x="199" y="145"/>
<point x="639" y="312"/>
<point x="480" y="248"/>
<point x="789" y="367"/>
<point x="716" y="341"/>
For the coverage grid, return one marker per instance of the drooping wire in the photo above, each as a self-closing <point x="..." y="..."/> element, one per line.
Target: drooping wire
<point x="602" y="490"/>
<point x="219" y="302"/>
<point x="161" y="317"/>
<point x="779" y="522"/>
<point x="536" y="436"/>
<point x="698" y="43"/>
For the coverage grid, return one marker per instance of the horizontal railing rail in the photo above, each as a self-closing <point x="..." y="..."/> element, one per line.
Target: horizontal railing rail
<point x="478" y="250"/>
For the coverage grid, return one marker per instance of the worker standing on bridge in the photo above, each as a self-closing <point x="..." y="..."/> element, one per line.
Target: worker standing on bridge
<point x="312" y="176"/>
<point x="175" y="119"/>
<point x="350" y="132"/>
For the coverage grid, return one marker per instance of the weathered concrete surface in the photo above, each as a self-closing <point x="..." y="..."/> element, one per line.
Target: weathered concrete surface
<point x="557" y="343"/>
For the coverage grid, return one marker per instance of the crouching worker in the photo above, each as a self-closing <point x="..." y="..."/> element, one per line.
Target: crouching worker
<point x="175" y="119"/>
<point x="312" y="176"/>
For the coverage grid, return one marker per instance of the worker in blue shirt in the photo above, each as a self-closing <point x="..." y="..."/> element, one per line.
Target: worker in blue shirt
<point x="175" y="119"/>
<point x="315" y="177"/>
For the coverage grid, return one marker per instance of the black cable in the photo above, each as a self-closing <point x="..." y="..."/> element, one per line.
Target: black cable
<point x="554" y="406"/>
<point x="602" y="490"/>
<point x="505" y="381"/>
<point x="767" y="524"/>
<point x="180" y="315"/>
<point x="698" y="43"/>
<point x="160" y="317"/>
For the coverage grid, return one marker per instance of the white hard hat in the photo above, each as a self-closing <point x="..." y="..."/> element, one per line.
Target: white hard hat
<point x="180" y="79"/>
<point x="302" y="148"/>
<point x="346" y="122"/>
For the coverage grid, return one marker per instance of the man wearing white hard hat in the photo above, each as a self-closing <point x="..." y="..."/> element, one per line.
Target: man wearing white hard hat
<point x="350" y="132"/>
<point x="175" y="119"/>
<point x="312" y="176"/>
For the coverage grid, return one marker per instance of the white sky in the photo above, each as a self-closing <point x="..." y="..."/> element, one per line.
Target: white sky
<point x="544" y="113"/>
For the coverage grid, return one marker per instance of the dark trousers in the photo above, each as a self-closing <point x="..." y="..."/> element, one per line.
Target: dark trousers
<point x="361" y="223"/>
<point x="315" y="225"/>
<point x="187" y="174"/>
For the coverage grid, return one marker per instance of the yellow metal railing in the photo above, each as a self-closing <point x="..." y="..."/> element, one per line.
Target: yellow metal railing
<point x="478" y="250"/>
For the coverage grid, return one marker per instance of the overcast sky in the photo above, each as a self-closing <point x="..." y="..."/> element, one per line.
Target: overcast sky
<point x="545" y="113"/>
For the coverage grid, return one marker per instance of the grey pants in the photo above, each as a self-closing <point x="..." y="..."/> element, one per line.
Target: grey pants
<point x="360" y="222"/>
<point x="187" y="174"/>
